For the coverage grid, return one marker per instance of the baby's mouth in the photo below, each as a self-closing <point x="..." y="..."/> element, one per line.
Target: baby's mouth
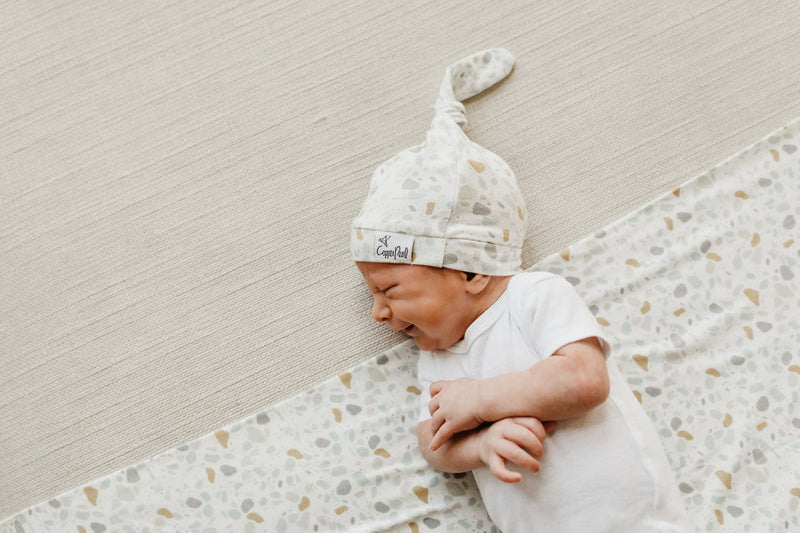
<point x="407" y="329"/>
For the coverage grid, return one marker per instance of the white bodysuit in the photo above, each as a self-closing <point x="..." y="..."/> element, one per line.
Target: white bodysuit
<point x="604" y="471"/>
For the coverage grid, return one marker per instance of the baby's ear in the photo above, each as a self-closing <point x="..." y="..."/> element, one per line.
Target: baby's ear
<point x="476" y="283"/>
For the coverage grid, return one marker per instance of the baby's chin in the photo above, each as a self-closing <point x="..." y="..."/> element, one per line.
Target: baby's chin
<point x="422" y="342"/>
<point x="428" y="345"/>
<point x="423" y="346"/>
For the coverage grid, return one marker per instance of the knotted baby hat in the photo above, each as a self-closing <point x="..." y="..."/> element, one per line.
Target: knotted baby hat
<point x="447" y="202"/>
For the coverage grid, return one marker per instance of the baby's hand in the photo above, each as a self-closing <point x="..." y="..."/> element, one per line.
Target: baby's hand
<point x="518" y="440"/>
<point x="454" y="408"/>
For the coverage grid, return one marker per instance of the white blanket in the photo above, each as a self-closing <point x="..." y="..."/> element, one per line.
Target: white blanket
<point x="698" y="292"/>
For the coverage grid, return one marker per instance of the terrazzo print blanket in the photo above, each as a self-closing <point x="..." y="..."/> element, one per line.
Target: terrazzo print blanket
<point x="698" y="292"/>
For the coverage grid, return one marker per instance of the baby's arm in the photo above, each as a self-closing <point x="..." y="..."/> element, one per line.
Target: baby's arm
<point x="518" y="440"/>
<point x="569" y="383"/>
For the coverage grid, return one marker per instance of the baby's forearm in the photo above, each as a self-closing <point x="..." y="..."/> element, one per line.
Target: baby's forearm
<point x="564" y="385"/>
<point x="459" y="454"/>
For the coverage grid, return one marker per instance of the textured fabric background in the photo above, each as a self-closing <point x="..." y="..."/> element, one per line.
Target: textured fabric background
<point x="177" y="182"/>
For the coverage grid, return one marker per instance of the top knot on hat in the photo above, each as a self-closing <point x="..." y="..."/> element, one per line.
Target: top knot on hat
<point x="447" y="202"/>
<point x="470" y="76"/>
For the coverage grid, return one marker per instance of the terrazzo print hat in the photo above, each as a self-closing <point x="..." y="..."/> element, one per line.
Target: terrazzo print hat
<point x="447" y="202"/>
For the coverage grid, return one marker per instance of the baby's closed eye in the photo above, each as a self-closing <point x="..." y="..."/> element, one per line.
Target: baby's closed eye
<point x="389" y="290"/>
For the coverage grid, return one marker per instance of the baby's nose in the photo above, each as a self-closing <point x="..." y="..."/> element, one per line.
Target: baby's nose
<point x="380" y="311"/>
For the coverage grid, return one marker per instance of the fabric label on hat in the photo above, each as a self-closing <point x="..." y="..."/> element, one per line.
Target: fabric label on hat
<point x="393" y="247"/>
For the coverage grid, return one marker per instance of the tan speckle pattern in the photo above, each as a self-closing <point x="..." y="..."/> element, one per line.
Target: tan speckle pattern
<point x="753" y="295"/>
<point x="477" y="165"/>
<point x="421" y="493"/>
<point x="222" y="437"/>
<point x="295" y="453"/>
<point x="728" y="420"/>
<point x="91" y="494"/>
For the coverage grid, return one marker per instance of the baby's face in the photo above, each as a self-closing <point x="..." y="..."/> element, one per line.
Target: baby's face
<point x="426" y="303"/>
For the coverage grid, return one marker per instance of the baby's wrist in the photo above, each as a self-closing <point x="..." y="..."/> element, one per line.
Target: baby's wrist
<point x="486" y="396"/>
<point x="481" y="449"/>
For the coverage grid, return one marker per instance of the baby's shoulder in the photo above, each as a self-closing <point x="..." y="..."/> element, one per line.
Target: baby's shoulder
<point x="528" y="291"/>
<point x="526" y="281"/>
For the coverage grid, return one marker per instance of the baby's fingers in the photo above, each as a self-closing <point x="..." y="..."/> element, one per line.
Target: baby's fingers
<point x="520" y="457"/>
<point x="535" y="426"/>
<point x="436" y="387"/>
<point x="498" y="467"/>
<point x="433" y="405"/>
<point x="437" y="422"/>
<point x="441" y="436"/>
<point x="523" y="437"/>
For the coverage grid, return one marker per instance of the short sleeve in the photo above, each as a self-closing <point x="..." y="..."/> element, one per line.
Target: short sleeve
<point x="551" y="314"/>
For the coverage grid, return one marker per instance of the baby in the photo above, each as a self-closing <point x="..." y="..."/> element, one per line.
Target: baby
<point x="518" y="384"/>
